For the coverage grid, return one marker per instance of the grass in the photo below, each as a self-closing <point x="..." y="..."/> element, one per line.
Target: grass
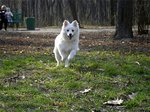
<point x="32" y="82"/>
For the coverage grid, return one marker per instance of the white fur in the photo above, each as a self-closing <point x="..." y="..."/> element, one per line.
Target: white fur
<point x="67" y="43"/>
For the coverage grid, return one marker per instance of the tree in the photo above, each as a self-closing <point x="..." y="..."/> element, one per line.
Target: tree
<point x="112" y="5"/>
<point x="72" y="4"/>
<point x="142" y="17"/>
<point x="124" y="19"/>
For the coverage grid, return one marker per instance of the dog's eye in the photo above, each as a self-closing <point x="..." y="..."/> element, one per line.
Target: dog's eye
<point x="72" y="30"/>
<point x="67" y="30"/>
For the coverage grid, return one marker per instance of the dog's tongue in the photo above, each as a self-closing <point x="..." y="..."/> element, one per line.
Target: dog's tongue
<point x="70" y="37"/>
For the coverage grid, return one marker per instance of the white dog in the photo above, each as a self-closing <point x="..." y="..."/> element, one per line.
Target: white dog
<point x="67" y="42"/>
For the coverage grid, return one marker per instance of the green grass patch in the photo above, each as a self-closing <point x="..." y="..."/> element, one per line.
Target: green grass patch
<point x="32" y="82"/>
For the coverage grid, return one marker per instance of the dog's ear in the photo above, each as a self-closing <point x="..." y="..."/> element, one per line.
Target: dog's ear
<point x="65" y="23"/>
<point x="75" y="23"/>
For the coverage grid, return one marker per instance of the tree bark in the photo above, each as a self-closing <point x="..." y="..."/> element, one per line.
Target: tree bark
<point x="72" y="4"/>
<point x="113" y="7"/>
<point x="124" y="19"/>
<point x="142" y="18"/>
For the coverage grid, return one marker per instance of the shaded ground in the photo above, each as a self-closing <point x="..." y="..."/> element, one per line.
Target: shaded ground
<point x="40" y="40"/>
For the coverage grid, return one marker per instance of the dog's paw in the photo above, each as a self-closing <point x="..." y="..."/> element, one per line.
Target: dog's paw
<point x="62" y="59"/>
<point x="66" y="66"/>
<point x="66" y="63"/>
<point x="58" y="63"/>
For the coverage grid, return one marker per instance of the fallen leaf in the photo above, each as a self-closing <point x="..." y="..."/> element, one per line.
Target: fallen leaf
<point x="23" y="77"/>
<point x="132" y="96"/>
<point x="137" y="63"/>
<point x="114" y="102"/>
<point x="21" y="51"/>
<point x="83" y="37"/>
<point x="85" y="91"/>
<point x="101" y="69"/>
<point x="60" y="104"/>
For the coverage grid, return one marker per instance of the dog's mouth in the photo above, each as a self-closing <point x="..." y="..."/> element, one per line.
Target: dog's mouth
<point x="70" y="36"/>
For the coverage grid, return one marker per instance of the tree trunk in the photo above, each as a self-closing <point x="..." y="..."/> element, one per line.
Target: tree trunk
<point x="124" y="19"/>
<point x="142" y="18"/>
<point x="72" y="4"/>
<point x="112" y="15"/>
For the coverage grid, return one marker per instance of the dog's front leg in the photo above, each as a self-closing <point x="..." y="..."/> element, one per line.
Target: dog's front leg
<point x="71" y="55"/>
<point x="62" y="54"/>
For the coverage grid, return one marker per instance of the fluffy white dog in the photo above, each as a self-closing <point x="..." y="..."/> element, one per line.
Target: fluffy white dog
<point x="67" y="42"/>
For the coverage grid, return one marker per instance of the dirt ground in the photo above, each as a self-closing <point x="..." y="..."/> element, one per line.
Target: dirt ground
<point x="90" y="39"/>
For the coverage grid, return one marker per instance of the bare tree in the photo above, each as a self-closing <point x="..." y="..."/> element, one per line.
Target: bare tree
<point x="142" y="17"/>
<point x="124" y="19"/>
<point x="113" y="8"/>
<point x="72" y="4"/>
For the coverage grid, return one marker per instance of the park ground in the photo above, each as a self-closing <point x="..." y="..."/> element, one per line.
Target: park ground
<point x="103" y="70"/>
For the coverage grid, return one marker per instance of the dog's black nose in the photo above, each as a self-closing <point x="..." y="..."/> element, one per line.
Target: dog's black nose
<point x="70" y="36"/>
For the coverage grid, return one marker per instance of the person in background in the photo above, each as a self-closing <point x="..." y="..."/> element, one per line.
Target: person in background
<point x="9" y="15"/>
<point x="3" y="18"/>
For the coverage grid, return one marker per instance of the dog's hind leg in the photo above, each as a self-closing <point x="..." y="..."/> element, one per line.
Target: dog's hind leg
<point x="57" y="56"/>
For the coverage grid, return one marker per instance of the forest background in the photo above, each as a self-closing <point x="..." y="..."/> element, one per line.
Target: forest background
<point x="87" y="12"/>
